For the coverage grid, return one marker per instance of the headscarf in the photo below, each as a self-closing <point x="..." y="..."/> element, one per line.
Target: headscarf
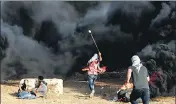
<point x="95" y="57"/>
<point x="136" y="62"/>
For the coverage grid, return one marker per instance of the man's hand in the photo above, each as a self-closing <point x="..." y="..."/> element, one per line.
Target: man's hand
<point x="127" y="82"/>
<point x="100" y="56"/>
<point x="128" y="85"/>
<point x="85" y="69"/>
<point x="99" y="53"/>
<point x="101" y="71"/>
<point x="36" y="91"/>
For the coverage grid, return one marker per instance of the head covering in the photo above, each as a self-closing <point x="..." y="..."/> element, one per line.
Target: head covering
<point x="136" y="62"/>
<point x="95" y="57"/>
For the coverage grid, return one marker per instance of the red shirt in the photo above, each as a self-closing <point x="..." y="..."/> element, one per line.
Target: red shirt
<point x="93" y="68"/>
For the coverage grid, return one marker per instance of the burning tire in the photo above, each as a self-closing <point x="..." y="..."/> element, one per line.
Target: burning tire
<point x="124" y="96"/>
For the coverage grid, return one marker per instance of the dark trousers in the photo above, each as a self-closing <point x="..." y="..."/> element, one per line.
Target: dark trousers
<point x="144" y="94"/>
<point x="91" y="79"/>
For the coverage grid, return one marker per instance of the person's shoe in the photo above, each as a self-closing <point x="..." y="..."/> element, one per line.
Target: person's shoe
<point x="92" y="94"/>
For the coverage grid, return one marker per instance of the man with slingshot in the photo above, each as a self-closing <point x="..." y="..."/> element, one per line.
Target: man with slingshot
<point x="93" y="69"/>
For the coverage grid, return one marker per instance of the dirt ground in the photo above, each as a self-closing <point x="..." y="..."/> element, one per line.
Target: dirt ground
<point x="75" y="92"/>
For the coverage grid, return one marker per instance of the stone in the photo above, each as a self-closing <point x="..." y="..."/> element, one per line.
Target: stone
<point x="30" y="83"/>
<point x="55" y="84"/>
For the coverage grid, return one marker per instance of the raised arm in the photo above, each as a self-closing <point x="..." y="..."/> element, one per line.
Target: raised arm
<point x="100" y="57"/>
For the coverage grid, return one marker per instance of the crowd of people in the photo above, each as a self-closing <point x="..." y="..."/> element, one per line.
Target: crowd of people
<point x="137" y="72"/>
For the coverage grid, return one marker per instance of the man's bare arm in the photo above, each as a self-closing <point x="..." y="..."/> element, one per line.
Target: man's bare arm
<point x="85" y="69"/>
<point x="100" y="56"/>
<point x="128" y="75"/>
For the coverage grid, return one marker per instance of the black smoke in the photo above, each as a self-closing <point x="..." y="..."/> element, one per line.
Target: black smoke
<point x="160" y="59"/>
<point x="51" y="38"/>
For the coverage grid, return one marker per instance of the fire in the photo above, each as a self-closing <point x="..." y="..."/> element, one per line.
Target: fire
<point x="103" y="69"/>
<point x="126" y="86"/>
<point x="154" y="76"/>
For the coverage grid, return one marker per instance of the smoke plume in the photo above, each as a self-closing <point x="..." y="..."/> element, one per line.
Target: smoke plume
<point x="34" y="29"/>
<point x="164" y="13"/>
<point x="51" y="38"/>
<point x="26" y="56"/>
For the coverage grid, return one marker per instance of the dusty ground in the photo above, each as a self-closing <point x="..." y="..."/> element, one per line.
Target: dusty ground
<point x="75" y="92"/>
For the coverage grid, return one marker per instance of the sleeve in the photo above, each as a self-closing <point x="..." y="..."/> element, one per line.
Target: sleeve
<point x="21" y="82"/>
<point x="130" y="67"/>
<point x="147" y="73"/>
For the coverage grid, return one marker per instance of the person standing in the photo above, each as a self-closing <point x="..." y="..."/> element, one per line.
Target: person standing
<point x="93" y="68"/>
<point x="140" y="79"/>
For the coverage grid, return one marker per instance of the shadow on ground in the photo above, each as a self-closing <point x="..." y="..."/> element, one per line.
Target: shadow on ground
<point x="13" y="94"/>
<point x="104" y="88"/>
<point x="10" y="83"/>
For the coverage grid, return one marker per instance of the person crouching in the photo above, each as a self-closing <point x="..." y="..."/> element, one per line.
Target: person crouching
<point x="41" y="86"/>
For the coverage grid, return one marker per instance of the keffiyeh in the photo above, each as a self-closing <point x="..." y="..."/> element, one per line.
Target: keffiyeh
<point x="95" y="57"/>
<point x="136" y="62"/>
